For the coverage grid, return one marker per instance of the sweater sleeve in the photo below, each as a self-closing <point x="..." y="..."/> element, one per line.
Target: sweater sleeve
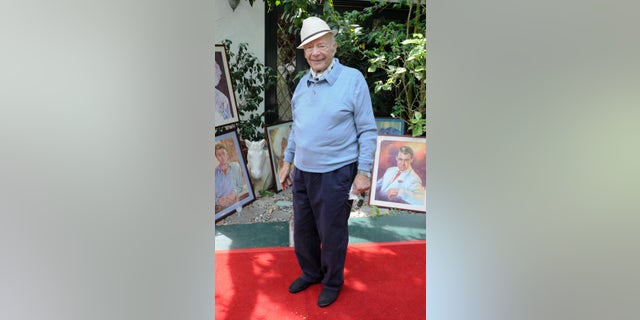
<point x="366" y="129"/>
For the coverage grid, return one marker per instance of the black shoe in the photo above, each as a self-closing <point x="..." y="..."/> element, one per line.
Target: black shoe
<point x="299" y="285"/>
<point x="327" y="297"/>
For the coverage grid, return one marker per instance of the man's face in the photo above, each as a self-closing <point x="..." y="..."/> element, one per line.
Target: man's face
<point x="404" y="161"/>
<point x="223" y="158"/>
<point x="319" y="53"/>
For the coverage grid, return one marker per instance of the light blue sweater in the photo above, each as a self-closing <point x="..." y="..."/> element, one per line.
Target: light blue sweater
<point x="333" y="122"/>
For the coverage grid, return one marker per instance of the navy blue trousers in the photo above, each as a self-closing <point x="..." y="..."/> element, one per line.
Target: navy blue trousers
<point x="321" y="210"/>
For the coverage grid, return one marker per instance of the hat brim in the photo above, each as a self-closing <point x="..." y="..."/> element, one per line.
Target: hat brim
<point x="314" y="37"/>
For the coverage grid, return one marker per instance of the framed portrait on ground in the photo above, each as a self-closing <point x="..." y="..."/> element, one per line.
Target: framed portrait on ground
<point x="225" y="108"/>
<point x="232" y="185"/>
<point x="390" y="126"/>
<point x="277" y="139"/>
<point x="399" y="173"/>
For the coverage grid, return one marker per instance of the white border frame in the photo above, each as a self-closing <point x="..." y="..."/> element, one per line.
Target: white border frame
<point x="233" y="135"/>
<point x="387" y="146"/>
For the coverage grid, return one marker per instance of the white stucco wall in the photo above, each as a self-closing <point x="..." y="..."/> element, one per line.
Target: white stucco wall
<point x="245" y="24"/>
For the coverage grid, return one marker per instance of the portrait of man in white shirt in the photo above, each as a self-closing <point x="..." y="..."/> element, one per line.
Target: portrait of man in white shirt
<point x="401" y="183"/>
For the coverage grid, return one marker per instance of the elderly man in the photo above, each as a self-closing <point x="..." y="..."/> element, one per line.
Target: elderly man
<point x="331" y="144"/>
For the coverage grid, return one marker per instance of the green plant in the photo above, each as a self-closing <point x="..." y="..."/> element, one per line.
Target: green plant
<point x="250" y="79"/>
<point x="265" y="192"/>
<point x="401" y="52"/>
<point x="377" y="213"/>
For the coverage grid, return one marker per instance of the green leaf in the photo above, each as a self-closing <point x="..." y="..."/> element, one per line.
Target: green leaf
<point x="417" y="131"/>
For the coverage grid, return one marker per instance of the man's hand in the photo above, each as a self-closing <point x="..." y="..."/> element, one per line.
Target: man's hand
<point x="361" y="184"/>
<point x="392" y="193"/>
<point x="284" y="177"/>
<point x="227" y="200"/>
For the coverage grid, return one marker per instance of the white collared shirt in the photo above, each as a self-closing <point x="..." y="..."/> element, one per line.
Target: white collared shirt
<point x="317" y="76"/>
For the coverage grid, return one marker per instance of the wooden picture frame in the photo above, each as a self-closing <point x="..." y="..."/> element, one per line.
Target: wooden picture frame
<point x="277" y="140"/>
<point x="390" y="126"/>
<point x="225" y="106"/>
<point x="232" y="187"/>
<point x="399" y="173"/>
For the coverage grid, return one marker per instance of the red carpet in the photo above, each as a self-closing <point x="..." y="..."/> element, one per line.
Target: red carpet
<point x="382" y="281"/>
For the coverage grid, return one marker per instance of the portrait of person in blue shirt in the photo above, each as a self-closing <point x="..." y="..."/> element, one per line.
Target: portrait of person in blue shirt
<point x="228" y="179"/>
<point x="401" y="183"/>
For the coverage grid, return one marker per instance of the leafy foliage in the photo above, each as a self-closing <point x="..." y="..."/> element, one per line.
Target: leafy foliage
<point x="405" y="68"/>
<point x="400" y="51"/>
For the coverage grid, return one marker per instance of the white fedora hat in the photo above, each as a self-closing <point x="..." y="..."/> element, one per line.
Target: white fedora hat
<point x="312" y="29"/>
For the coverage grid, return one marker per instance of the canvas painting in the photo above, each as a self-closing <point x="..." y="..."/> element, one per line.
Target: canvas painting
<point x="277" y="138"/>
<point x="232" y="185"/>
<point x="390" y="126"/>
<point x="225" y="108"/>
<point x="399" y="173"/>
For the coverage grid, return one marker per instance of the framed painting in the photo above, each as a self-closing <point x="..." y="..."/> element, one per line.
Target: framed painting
<point x="225" y="107"/>
<point x="390" y="126"/>
<point x="232" y="185"/>
<point x="277" y="139"/>
<point x="399" y="173"/>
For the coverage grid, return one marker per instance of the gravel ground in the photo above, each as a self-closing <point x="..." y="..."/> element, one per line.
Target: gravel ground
<point x="278" y="207"/>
